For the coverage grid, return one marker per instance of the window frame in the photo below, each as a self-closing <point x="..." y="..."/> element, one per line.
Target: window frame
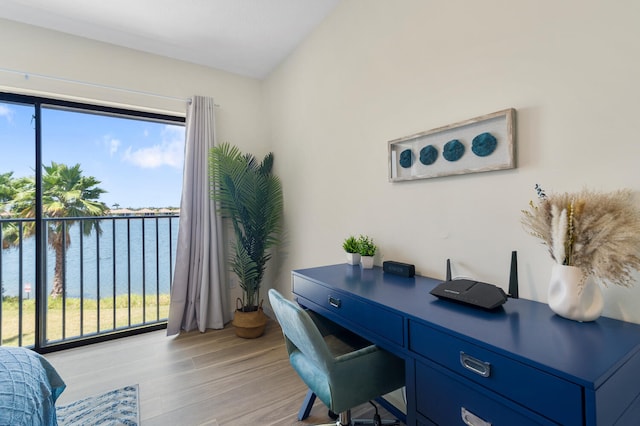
<point x="38" y="103"/>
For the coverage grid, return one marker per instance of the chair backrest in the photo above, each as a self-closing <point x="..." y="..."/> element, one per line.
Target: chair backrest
<point x="300" y="330"/>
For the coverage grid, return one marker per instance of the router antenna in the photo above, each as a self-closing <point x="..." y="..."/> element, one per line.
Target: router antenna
<point x="513" y="276"/>
<point x="448" y="270"/>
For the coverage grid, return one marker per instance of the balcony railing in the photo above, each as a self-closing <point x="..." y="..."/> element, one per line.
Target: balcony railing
<point x="115" y="279"/>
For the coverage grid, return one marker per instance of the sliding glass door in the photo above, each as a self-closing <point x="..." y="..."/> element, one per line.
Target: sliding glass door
<point x="89" y="203"/>
<point x="17" y="257"/>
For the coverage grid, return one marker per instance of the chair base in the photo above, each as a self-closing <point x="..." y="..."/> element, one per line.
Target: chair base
<point x="346" y="420"/>
<point x="343" y="419"/>
<point x="310" y="399"/>
<point x="356" y="422"/>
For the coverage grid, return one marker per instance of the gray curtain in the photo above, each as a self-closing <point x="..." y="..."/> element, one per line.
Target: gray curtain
<point x="198" y="297"/>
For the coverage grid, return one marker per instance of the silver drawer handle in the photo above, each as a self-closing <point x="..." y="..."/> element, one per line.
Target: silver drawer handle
<point x="479" y="367"/>
<point x="334" y="302"/>
<point x="471" y="419"/>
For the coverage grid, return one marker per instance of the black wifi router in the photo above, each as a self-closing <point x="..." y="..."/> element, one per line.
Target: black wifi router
<point x="476" y="293"/>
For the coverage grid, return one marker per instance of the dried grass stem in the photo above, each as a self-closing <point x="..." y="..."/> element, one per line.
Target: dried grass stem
<point x="597" y="232"/>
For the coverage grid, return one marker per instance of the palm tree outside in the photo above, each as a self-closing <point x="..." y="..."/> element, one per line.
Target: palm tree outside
<point x="9" y="188"/>
<point x="66" y="193"/>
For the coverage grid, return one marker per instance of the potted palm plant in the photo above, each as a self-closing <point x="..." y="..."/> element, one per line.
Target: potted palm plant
<point x="250" y="196"/>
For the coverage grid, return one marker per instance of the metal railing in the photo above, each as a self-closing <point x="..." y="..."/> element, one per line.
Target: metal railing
<point x="115" y="274"/>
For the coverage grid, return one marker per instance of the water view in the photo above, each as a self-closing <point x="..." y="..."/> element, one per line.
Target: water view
<point x="142" y="258"/>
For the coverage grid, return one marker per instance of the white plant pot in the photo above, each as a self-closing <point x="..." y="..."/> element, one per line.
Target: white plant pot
<point x="574" y="296"/>
<point x="366" y="262"/>
<point x="353" y="258"/>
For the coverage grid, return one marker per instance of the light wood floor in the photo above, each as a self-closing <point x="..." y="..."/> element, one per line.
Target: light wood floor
<point x="212" y="378"/>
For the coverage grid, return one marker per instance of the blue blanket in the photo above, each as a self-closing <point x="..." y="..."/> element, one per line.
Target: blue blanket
<point x="29" y="387"/>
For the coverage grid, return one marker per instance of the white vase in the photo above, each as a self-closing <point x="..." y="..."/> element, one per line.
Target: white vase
<point x="353" y="258"/>
<point x="574" y="296"/>
<point x="366" y="262"/>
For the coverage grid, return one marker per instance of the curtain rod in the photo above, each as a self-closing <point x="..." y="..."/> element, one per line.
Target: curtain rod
<point x="28" y="75"/>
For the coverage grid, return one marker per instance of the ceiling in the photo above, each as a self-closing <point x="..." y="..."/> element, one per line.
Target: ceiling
<point x="246" y="37"/>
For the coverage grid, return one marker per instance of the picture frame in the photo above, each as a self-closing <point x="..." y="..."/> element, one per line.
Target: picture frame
<point x="480" y="144"/>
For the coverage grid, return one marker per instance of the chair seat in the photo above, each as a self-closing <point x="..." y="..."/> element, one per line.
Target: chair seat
<point x="342" y="343"/>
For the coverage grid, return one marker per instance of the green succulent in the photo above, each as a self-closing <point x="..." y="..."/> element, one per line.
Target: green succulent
<point x="366" y="247"/>
<point x="350" y="244"/>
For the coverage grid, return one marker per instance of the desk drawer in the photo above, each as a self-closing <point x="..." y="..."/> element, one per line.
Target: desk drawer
<point x="446" y="399"/>
<point x="381" y="322"/>
<point x="544" y="393"/>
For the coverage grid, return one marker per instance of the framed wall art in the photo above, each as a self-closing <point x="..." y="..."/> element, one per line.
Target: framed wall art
<point x="480" y="144"/>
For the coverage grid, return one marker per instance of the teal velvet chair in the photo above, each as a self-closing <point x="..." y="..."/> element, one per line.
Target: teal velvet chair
<point x="339" y="367"/>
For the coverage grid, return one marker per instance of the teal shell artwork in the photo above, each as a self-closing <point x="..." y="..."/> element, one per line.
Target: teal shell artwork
<point x="406" y="158"/>
<point x="428" y="155"/>
<point x="453" y="150"/>
<point x="484" y="144"/>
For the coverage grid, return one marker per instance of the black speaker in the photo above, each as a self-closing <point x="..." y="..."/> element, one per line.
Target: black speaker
<point x="399" y="268"/>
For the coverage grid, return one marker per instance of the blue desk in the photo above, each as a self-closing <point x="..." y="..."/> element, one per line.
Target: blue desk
<point x="519" y="365"/>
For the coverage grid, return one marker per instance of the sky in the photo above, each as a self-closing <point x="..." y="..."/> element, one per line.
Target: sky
<point x="139" y="163"/>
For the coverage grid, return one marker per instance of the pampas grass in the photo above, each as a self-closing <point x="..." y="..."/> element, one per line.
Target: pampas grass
<point x="597" y="232"/>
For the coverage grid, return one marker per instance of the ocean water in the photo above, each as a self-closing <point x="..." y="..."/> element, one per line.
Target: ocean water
<point x="130" y="254"/>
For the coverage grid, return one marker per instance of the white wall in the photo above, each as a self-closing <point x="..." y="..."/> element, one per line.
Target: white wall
<point x="377" y="70"/>
<point x="49" y="53"/>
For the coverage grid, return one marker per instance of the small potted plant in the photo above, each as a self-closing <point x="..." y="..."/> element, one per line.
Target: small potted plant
<point x="350" y="246"/>
<point x="367" y="250"/>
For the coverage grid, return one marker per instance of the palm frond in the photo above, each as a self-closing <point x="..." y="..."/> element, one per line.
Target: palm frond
<point x="66" y="192"/>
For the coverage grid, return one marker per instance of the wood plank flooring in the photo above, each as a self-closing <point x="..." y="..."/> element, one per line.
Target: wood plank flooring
<point x="212" y="378"/>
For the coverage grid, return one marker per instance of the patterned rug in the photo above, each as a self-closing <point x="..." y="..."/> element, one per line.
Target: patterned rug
<point x="117" y="407"/>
